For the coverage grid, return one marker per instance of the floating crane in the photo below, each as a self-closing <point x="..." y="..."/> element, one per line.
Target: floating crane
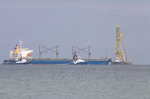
<point x="120" y="56"/>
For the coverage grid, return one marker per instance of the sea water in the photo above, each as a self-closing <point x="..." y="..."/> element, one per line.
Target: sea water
<point x="74" y="82"/>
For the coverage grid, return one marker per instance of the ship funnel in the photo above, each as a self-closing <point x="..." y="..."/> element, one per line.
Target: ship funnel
<point x="16" y="50"/>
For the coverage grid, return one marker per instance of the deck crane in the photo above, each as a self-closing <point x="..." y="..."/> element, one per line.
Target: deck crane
<point x="120" y="56"/>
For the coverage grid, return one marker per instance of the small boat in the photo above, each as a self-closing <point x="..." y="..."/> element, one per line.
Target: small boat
<point x="23" y="61"/>
<point x="78" y="61"/>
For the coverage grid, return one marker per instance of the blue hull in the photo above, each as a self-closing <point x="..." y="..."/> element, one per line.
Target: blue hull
<point x="89" y="62"/>
<point x="99" y="62"/>
<point x="70" y="62"/>
<point x="13" y="62"/>
<point x="49" y="62"/>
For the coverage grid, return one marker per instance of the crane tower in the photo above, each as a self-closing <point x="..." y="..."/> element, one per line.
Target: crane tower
<point x="119" y="54"/>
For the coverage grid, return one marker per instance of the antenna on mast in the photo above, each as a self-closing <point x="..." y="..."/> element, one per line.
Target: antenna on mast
<point x="20" y="42"/>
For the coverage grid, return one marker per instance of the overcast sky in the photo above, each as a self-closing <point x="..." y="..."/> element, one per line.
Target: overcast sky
<point x="76" y="22"/>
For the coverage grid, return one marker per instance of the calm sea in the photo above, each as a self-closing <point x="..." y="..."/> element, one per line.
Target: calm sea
<point x="74" y="82"/>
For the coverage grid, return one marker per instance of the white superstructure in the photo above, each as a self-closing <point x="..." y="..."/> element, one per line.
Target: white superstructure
<point x="20" y="53"/>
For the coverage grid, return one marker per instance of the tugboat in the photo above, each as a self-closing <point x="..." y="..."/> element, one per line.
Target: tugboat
<point x="78" y="61"/>
<point x="19" y="55"/>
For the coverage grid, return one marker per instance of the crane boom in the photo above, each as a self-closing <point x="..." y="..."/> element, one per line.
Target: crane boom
<point x="119" y="53"/>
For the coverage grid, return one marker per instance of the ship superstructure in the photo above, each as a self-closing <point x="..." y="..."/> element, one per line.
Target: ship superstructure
<point x="19" y="55"/>
<point x="20" y="52"/>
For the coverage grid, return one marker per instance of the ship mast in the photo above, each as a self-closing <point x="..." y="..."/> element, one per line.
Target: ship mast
<point x="20" y="48"/>
<point x="119" y="54"/>
<point x="20" y="42"/>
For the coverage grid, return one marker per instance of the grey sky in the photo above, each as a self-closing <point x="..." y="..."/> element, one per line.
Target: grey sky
<point x="78" y="22"/>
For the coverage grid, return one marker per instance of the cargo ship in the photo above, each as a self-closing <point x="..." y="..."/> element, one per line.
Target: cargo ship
<point x="23" y="56"/>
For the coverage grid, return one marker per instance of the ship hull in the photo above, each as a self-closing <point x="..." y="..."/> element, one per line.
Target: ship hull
<point x="50" y="62"/>
<point x="121" y="63"/>
<point x="59" y="61"/>
<point x="69" y="61"/>
<point x="14" y="62"/>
